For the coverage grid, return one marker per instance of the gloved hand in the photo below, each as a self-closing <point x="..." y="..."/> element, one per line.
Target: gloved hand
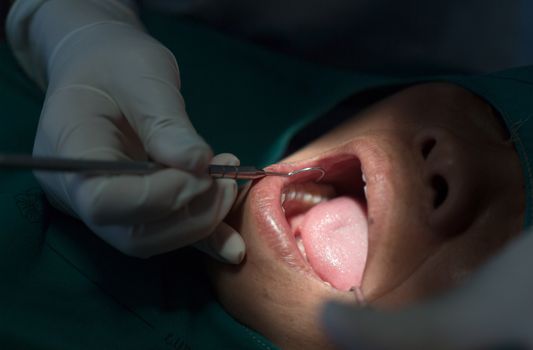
<point x="113" y="93"/>
<point x="493" y="310"/>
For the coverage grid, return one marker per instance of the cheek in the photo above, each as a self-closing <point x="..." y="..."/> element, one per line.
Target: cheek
<point x="450" y="261"/>
<point x="401" y="240"/>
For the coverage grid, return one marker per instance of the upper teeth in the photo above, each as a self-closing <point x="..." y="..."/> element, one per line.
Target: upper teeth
<point x="308" y="192"/>
<point x="304" y="197"/>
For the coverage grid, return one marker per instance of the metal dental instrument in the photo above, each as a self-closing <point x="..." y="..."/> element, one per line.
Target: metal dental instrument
<point x="20" y="161"/>
<point x="251" y="172"/>
<point x="103" y="167"/>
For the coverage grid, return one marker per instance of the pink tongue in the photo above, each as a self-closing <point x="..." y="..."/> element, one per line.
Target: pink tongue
<point x="335" y="237"/>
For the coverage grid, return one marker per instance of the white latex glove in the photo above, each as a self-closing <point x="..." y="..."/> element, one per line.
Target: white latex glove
<point x="494" y="308"/>
<point x="112" y="93"/>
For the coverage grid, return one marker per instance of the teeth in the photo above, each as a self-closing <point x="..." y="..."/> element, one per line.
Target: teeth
<point x="308" y="193"/>
<point x="317" y="199"/>
<point x="303" y="197"/>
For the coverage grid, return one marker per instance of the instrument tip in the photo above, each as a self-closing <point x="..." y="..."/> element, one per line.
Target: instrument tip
<point x="320" y="172"/>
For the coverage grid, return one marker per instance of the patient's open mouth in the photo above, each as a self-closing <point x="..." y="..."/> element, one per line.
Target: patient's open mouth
<point x="321" y="228"/>
<point x="329" y="223"/>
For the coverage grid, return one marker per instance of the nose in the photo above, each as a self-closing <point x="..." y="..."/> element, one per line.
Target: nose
<point x="453" y="183"/>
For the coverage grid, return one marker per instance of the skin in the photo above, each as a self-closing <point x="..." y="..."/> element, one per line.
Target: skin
<point x="417" y="248"/>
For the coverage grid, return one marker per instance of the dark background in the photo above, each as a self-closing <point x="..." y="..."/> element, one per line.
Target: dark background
<point x="4" y="6"/>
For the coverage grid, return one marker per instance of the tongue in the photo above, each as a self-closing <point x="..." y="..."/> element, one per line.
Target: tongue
<point x="335" y="237"/>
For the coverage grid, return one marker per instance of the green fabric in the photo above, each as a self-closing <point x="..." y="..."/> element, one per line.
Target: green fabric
<point x="63" y="288"/>
<point x="245" y="99"/>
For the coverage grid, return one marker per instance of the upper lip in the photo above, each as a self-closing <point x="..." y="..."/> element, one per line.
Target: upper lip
<point x="266" y="196"/>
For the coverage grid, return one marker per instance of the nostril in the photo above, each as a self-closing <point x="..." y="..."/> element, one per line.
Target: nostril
<point x="427" y="146"/>
<point x="440" y="186"/>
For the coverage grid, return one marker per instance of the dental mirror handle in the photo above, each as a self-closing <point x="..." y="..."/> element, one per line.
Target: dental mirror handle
<point x="236" y="172"/>
<point x="21" y="161"/>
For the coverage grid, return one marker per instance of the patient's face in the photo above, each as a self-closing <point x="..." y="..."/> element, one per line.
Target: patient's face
<point x="444" y="191"/>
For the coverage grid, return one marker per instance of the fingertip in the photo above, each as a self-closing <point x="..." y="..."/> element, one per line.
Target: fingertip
<point x="233" y="249"/>
<point x="228" y="186"/>
<point x="225" y="159"/>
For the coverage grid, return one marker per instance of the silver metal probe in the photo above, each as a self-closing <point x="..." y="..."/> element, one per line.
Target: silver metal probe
<point x="103" y="167"/>
<point x="251" y="172"/>
<point x="22" y="161"/>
